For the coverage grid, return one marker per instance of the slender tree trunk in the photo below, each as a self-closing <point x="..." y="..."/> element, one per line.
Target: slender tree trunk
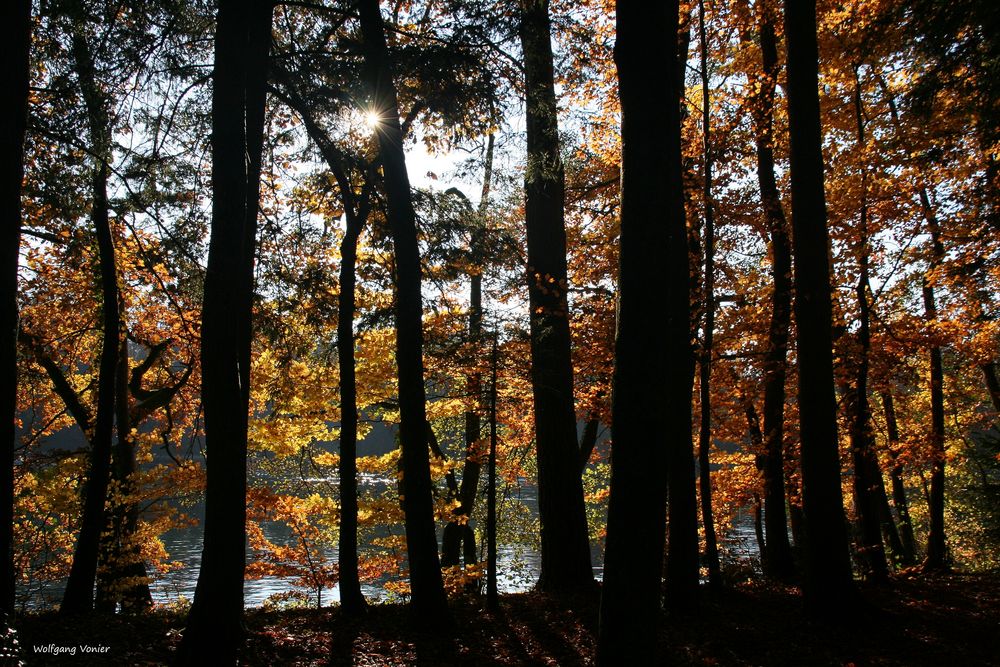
<point x="357" y="208"/>
<point x="909" y="543"/>
<point x="136" y="594"/>
<point x="992" y="384"/>
<point x="679" y="324"/>
<point x="428" y="601"/>
<point x="796" y="517"/>
<point x="565" y="551"/>
<point x="778" y="563"/>
<point x="588" y="440"/>
<point x="829" y="586"/>
<point x="351" y="599"/>
<point x="867" y="476"/>
<point x="705" y="362"/>
<point x="757" y="445"/>
<point x="16" y="19"/>
<point x="242" y="44"/>
<point x="79" y="594"/>
<point x="458" y="533"/>
<point x="644" y="421"/>
<point x="758" y="525"/>
<point x="492" y="597"/>
<point x="936" y="549"/>
<point x="125" y="578"/>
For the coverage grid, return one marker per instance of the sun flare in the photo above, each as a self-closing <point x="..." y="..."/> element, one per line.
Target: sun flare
<point x="372" y="119"/>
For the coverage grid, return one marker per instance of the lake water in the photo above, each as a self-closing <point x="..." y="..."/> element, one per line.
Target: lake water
<point x="518" y="565"/>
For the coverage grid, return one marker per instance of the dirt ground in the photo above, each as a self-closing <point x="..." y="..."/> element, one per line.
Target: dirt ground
<point x="951" y="619"/>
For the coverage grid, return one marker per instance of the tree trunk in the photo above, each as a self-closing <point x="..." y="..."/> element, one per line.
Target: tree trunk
<point x="428" y="601"/>
<point x="565" y="552"/>
<point x="458" y="533"/>
<point x="757" y="446"/>
<point x="16" y="19"/>
<point x="778" y="563"/>
<point x="351" y="599"/>
<point x="867" y="476"/>
<point x="705" y="362"/>
<point x="907" y="540"/>
<point x="644" y="421"/>
<point x="79" y="594"/>
<point x="936" y="550"/>
<point x="828" y="582"/>
<point x="242" y="44"/>
<point x="992" y="384"/>
<point x="492" y="597"/>
<point x="125" y="580"/>
<point x="135" y="593"/>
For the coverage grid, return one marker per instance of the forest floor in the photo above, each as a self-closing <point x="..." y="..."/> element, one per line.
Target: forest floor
<point x="949" y="619"/>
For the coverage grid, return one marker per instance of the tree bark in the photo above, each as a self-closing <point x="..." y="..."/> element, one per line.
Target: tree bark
<point x="778" y="563"/>
<point x="705" y="362"/>
<point x="351" y="599"/>
<point x="907" y="540"/>
<point x="757" y="446"/>
<point x="126" y="579"/>
<point x="867" y="475"/>
<point x="242" y="45"/>
<point x="492" y="597"/>
<point x="937" y="555"/>
<point x="16" y="20"/>
<point x="829" y="586"/>
<point x="79" y="594"/>
<point x="428" y="601"/>
<point x="992" y="384"/>
<point x="459" y="533"/>
<point x="645" y="421"/>
<point x="357" y="208"/>
<point x="565" y="547"/>
<point x="936" y="548"/>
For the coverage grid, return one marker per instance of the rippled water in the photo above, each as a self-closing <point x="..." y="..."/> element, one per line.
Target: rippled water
<point x="518" y="564"/>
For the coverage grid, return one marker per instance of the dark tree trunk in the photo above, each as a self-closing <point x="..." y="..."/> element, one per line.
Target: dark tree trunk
<point x="796" y="518"/>
<point x="242" y="44"/>
<point x="679" y="324"/>
<point x="357" y="208"/>
<point x="492" y="596"/>
<point x="644" y="421"/>
<point x="778" y="564"/>
<point x="428" y="601"/>
<point x="867" y="476"/>
<point x="125" y="580"/>
<point x="936" y="550"/>
<point x="79" y="594"/>
<point x="135" y="593"/>
<point x="588" y="440"/>
<point x="459" y="537"/>
<point x="757" y="446"/>
<point x="356" y="211"/>
<point x="992" y="384"/>
<point x="16" y="19"/>
<point x="829" y="586"/>
<point x="705" y="362"/>
<point x="907" y="540"/>
<point x="937" y="555"/>
<point x="565" y="552"/>
<point x="351" y="599"/>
